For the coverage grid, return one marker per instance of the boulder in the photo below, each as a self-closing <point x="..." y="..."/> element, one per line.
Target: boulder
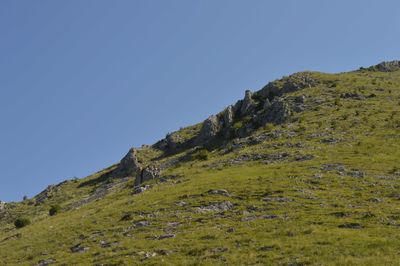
<point x="148" y="173"/>
<point x="129" y="165"/>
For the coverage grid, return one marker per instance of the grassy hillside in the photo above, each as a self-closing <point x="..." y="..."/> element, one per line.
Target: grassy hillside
<point x="323" y="188"/>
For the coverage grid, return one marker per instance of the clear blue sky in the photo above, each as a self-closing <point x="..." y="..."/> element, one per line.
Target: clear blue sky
<point x="83" y="81"/>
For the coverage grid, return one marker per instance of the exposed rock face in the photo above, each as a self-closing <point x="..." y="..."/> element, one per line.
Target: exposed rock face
<point x="129" y="165"/>
<point x="46" y="194"/>
<point x="292" y="83"/>
<point x="2" y="205"/>
<point x="228" y="116"/>
<point x="278" y="111"/>
<point x="248" y="105"/>
<point x="148" y="173"/>
<point x="211" y="127"/>
<point x="387" y="66"/>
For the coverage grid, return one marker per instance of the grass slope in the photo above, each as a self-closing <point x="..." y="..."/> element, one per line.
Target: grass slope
<point x="332" y="199"/>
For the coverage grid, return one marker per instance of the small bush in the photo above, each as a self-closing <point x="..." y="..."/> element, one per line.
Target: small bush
<point x="54" y="210"/>
<point x="21" y="222"/>
<point x="200" y="155"/>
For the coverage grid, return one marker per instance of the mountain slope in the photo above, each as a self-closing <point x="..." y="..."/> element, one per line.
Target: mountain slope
<point x="303" y="172"/>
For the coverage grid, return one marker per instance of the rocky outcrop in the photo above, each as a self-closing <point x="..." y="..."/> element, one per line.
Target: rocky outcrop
<point x="2" y="205"/>
<point x="228" y="116"/>
<point x="288" y="84"/>
<point x="248" y="105"/>
<point x="129" y="165"/>
<point x="387" y="66"/>
<point x="148" y="173"/>
<point x="210" y="128"/>
<point x="277" y="112"/>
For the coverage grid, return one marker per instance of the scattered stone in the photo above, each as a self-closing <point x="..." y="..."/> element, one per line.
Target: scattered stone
<point x="221" y="192"/>
<point x="266" y="248"/>
<point x="173" y="224"/>
<point x="219" y="250"/>
<point x="161" y="237"/>
<point x="181" y="203"/>
<point x="277" y="199"/>
<point x="356" y="173"/>
<point x="45" y="262"/>
<point x="354" y="96"/>
<point x="300" y="99"/>
<point x="139" y="189"/>
<point x="104" y="244"/>
<point x="306" y="157"/>
<point x="79" y="248"/>
<point x="375" y="200"/>
<point x="351" y="226"/>
<point x="163" y="252"/>
<point x="220" y="206"/>
<point x="142" y="224"/>
<point x="334" y="167"/>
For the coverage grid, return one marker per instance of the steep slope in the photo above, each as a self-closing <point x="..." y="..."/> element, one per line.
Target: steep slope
<point x="304" y="171"/>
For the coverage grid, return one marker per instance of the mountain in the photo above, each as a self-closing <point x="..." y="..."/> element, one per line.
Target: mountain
<point x="305" y="171"/>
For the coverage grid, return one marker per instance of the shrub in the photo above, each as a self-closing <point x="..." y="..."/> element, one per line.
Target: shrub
<point x="54" y="210"/>
<point x="201" y="155"/>
<point x="21" y="222"/>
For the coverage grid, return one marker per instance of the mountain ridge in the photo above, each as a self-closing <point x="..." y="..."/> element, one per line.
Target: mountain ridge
<point x="305" y="159"/>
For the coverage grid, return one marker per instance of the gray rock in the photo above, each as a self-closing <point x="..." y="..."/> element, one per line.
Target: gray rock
<point x="278" y="112"/>
<point x="148" y="173"/>
<point x="45" y="262"/>
<point x="300" y="99"/>
<point x="248" y="105"/>
<point x="79" y="248"/>
<point x="387" y="66"/>
<point x="129" y="165"/>
<point x="164" y="236"/>
<point x="228" y="116"/>
<point x="210" y="129"/>
<point x="220" y="206"/>
<point x="221" y="192"/>
<point x="142" y="224"/>
<point x="349" y="95"/>
<point x="2" y="205"/>
<point x="351" y="226"/>
<point x="140" y="189"/>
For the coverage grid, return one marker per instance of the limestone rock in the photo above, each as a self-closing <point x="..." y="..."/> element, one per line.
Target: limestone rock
<point x="211" y="127"/>
<point x="129" y="165"/>
<point x="277" y="112"/>
<point x="248" y="105"/>
<point x="148" y="173"/>
<point x="387" y="66"/>
<point x="228" y="116"/>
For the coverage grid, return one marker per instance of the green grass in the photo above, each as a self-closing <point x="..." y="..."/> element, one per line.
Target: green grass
<point x="286" y="212"/>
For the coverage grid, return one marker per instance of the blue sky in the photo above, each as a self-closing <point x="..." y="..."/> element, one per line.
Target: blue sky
<point x="83" y="81"/>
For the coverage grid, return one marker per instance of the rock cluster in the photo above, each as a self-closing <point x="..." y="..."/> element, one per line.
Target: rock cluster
<point x="387" y="66"/>
<point x="130" y="166"/>
<point x="2" y="205"/>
